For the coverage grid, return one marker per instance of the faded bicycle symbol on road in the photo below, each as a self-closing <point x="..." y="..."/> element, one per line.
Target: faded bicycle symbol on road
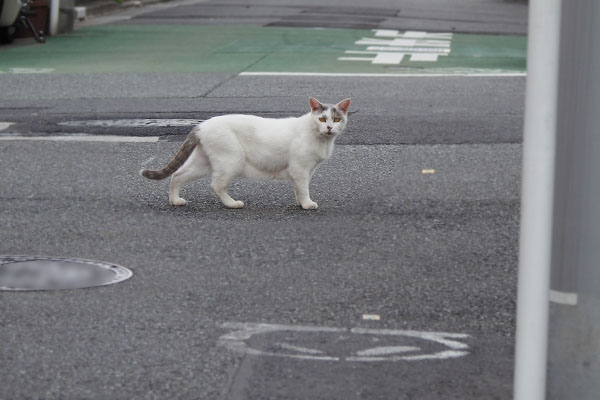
<point x="342" y="344"/>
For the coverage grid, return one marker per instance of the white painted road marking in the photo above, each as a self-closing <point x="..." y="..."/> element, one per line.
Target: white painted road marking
<point x="132" y="123"/>
<point x="445" y="345"/>
<point x="4" y="125"/>
<point x="420" y="46"/>
<point x="387" y="58"/>
<point x="371" y="317"/>
<point x="391" y="75"/>
<point x="412" y="34"/>
<point x="566" y="298"/>
<point x="412" y="44"/>
<point x="440" y="337"/>
<point x="83" y="138"/>
<point x="29" y="70"/>
<point x="386" y="350"/>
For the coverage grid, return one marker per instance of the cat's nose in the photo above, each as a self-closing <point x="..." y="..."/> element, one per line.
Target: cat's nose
<point x="329" y="127"/>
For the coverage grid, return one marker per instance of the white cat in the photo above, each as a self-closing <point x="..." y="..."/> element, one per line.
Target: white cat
<point x="247" y="146"/>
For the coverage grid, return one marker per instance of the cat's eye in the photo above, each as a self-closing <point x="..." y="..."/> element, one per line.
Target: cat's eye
<point x="322" y="119"/>
<point x="337" y="119"/>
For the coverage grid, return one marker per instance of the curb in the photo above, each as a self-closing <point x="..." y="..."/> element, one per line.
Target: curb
<point x="105" y="7"/>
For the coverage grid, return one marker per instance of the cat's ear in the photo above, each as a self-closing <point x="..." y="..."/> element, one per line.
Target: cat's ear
<point x="343" y="106"/>
<point x="315" y="106"/>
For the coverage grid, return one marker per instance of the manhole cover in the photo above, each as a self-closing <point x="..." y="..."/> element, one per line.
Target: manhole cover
<point x="53" y="273"/>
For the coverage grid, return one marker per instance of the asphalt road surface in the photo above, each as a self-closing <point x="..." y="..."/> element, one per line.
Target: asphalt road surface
<point x="402" y="285"/>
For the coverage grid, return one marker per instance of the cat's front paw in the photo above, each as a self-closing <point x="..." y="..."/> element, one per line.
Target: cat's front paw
<point x="310" y="205"/>
<point x="178" y="202"/>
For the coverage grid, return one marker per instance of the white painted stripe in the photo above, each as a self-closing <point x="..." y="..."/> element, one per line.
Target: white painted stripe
<point x="31" y="70"/>
<point x="390" y="75"/>
<point x="133" y="123"/>
<point x="388" y="58"/>
<point x="421" y="35"/>
<point x="361" y="52"/>
<point x="395" y="42"/>
<point x="424" y="57"/>
<point x="442" y="355"/>
<point x="404" y="43"/>
<point x="83" y="138"/>
<point x="411" y="34"/>
<point x="386" y="350"/>
<point x="371" y="317"/>
<point x="4" y="125"/>
<point x="415" y="34"/>
<point x="386" y="33"/>
<point x="410" y="50"/>
<point x="566" y="298"/>
<point x="355" y="59"/>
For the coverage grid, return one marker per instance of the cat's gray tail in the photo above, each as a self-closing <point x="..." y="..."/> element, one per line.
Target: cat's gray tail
<point x="184" y="152"/>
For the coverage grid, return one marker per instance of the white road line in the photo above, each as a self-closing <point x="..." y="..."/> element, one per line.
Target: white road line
<point x="386" y="350"/>
<point x="412" y="34"/>
<point x="566" y="298"/>
<point x="392" y="75"/>
<point x="4" y="125"/>
<point x="133" y="123"/>
<point x="83" y="138"/>
<point x="29" y="70"/>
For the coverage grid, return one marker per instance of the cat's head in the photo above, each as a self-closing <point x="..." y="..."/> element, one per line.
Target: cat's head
<point x="329" y="119"/>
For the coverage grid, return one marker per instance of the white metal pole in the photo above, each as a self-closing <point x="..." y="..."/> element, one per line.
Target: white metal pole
<point x="54" y="11"/>
<point x="537" y="199"/>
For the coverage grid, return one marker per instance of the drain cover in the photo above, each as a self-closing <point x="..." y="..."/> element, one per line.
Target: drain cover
<point x="52" y="273"/>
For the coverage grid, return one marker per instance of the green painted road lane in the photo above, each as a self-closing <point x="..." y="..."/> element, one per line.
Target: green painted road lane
<point x="239" y="48"/>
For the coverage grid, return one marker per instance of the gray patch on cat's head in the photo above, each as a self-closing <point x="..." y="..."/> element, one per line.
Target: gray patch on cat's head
<point x="324" y="108"/>
<point x="335" y="113"/>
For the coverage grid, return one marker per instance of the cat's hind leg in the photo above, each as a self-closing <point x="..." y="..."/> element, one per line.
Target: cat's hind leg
<point x="219" y="184"/>
<point x="195" y="167"/>
<point x="225" y="170"/>
<point x="227" y="160"/>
